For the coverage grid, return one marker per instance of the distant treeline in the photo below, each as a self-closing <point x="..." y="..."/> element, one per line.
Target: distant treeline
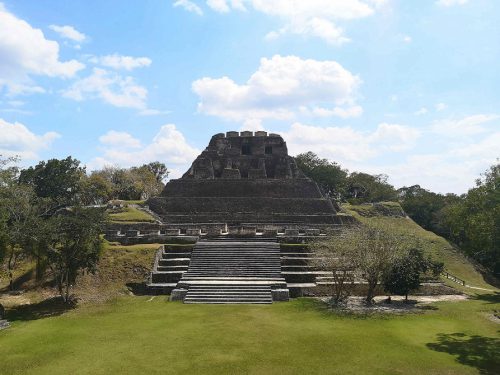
<point x="471" y="220"/>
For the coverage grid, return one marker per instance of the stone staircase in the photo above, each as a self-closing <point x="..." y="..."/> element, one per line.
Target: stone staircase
<point x="233" y="271"/>
<point x="230" y="294"/>
<point x="170" y="264"/>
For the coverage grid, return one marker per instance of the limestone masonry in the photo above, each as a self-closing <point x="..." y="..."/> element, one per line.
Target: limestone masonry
<point x="245" y="179"/>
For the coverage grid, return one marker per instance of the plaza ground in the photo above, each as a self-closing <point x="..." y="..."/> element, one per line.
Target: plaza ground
<point x="141" y="334"/>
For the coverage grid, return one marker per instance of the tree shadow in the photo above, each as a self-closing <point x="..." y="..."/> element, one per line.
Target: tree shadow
<point x="476" y="351"/>
<point x="54" y="306"/>
<point x="138" y="289"/>
<point x="490" y="298"/>
<point x="19" y="281"/>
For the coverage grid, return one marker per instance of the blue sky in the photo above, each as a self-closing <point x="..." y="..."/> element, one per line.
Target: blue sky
<point x="406" y="88"/>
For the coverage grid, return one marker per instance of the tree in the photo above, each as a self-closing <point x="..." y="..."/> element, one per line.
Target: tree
<point x="363" y="187"/>
<point x="159" y="170"/>
<point x="328" y="175"/>
<point x="424" y="206"/>
<point x="96" y="189"/>
<point x="372" y="250"/>
<point x="339" y="260"/>
<point x="403" y="276"/>
<point x="473" y="223"/>
<point x="73" y="243"/>
<point x="59" y="180"/>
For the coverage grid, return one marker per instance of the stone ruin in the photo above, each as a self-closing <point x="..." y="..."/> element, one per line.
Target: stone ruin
<point x="245" y="183"/>
<point x="240" y="202"/>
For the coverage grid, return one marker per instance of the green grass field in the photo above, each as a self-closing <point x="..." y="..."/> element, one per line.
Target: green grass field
<point x="135" y="335"/>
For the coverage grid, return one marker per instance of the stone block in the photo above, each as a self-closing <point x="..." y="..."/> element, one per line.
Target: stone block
<point x="231" y="174"/>
<point x="132" y="233"/>
<point x="261" y="133"/>
<point x="246" y="133"/>
<point x="312" y="232"/>
<point x="178" y="294"/>
<point x="280" y="295"/>
<point x="193" y="231"/>
<point x="291" y="232"/>
<point x="172" y="232"/>
<point x="232" y="134"/>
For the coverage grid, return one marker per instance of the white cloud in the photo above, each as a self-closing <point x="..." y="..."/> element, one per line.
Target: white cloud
<point x="467" y="126"/>
<point x="440" y="107"/>
<point x="281" y="87"/>
<point x="121" y="62"/>
<point x="315" y="18"/>
<point x="119" y="139"/>
<point x="153" y="112"/>
<point x="407" y="39"/>
<point x="25" y="52"/>
<point x="168" y="146"/>
<point x="17" y="139"/>
<point x="189" y="6"/>
<point x="421" y="111"/>
<point x="346" y="144"/>
<point x="112" y="88"/>
<point x="69" y="32"/>
<point x="449" y="3"/>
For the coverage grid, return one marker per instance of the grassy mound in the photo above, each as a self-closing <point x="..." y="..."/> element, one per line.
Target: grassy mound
<point x="131" y="214"/>
<point x="439" y="248"/>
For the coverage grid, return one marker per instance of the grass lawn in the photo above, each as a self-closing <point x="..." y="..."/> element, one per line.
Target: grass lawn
<point x="131" y="214"/>
<point x="135" y="335"/>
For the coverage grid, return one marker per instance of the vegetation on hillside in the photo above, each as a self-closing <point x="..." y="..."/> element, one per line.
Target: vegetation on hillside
<point x="470" y="221"/>
<point x="433" y="245"/>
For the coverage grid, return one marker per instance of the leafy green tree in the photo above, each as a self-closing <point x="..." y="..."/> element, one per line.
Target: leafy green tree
<point x="96" y="189"/>
<point x="59" y="180"/>
<point x="73" y="243"/>
<point x="329" y="175"/>
<point x="363" y="187"/>
<point x="424" y="206"/>
<point x="159" y="170"/>
<point x="473" y="223"/>
<point x="403" y="276"/>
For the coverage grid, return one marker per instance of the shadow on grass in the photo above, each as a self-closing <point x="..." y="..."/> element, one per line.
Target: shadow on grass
<point x="480" y="352"/>
<point x="490" y="298"/>
<point x="50" y="307"/>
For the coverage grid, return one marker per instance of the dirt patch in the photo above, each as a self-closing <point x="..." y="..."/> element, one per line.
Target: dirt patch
<point x="397" y="306"/>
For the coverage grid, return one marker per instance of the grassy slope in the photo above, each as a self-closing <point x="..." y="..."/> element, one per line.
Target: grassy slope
<point x="138" y="335"/>
<point x="131" y="214"/>
<point x="437" y="246"/>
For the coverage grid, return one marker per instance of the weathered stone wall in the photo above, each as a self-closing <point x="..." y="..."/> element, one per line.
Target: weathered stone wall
<point x="270" y="188"/>
<point x="244" y="178"/>
<point x="244" y="155"/>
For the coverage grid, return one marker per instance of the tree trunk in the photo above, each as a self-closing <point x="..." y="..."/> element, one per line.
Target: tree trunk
<point x="66" y="299"/>
<point x="10" y="266"/>
<point x="371" y="291"/>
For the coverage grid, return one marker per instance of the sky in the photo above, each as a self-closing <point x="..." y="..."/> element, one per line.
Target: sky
<point x="410" y="89"/>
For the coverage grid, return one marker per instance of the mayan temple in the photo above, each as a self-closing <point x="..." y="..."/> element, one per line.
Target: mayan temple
<point x="245" y="180"/>
<point x="241" y="198"/>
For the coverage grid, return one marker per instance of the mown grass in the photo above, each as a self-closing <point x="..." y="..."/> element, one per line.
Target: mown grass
<point x="439" y="248"/>
<point x="131" y="214"/>
<point x="134" y="335"/>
